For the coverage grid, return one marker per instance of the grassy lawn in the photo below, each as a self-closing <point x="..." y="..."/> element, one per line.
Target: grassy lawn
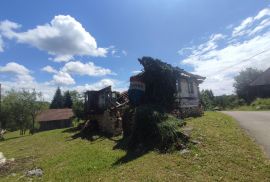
<point x="226" y="153"/>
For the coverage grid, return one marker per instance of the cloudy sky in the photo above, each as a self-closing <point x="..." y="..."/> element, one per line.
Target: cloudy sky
<point x="80" y="45"/>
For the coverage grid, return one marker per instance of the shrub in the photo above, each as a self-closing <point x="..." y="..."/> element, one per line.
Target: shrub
<point x="263" y="104"/>
<point x="154" y="129"/>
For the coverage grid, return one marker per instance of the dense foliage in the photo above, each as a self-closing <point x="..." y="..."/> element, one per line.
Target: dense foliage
<point x="58" y="100"/>
<point x="67" y="100"/>
<point x="242" y="82"/>
<point x="207" y="99"/>
<point x="78" y="105"/>
<point x="223" y="102"/>
<point x="19" y="110"/>
<point x="154" y="129"/>
<point x="160" y="79"/>
<point x="261" y="104"/>
<point x="149" y="126"/>
<point x="62" y="101"/>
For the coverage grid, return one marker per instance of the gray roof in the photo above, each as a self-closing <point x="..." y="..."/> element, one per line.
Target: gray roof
<point x="263" y="79"/>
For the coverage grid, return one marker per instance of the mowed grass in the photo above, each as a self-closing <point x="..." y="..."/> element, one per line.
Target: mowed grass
<point x="226" y="153"/>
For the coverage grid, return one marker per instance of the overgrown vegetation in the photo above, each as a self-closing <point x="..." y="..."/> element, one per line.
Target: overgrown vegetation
<point x="242" y="82"/>
<point x="19" y="109"/>
<point x="160" y="79"/>
<point x="223" y="102"/>
<point x="226" y="153"/>
<point x="245" y="98"/>
<point x="61" y="101"/>
<point x="151" y="125"/>
<point x="155" y="129"/>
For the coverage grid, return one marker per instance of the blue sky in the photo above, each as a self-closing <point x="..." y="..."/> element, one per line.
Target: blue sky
<point x="90" y="44"/>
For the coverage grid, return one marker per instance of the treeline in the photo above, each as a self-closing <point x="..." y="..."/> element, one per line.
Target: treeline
<point x="19" y="109"/>
<point x="69" y="99"/>
<point x="223" y="102"/>
<point x="243" y="95"/>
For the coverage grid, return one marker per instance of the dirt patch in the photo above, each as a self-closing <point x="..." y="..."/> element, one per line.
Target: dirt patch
<point x="16" y="166"/>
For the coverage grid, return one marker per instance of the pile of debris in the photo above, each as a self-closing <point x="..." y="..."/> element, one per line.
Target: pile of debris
<point x="2" y="132"/>
<point x="103" y="110"/>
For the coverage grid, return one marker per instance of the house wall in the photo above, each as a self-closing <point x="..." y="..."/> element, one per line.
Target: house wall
<point x="108" y="123"/>
<point x="188" y="92"/>
<point x="50" y="125"/>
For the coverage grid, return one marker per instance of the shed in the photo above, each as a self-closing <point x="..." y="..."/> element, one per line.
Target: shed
<point x="55" y="118"/>
<point x="260" y="87"/>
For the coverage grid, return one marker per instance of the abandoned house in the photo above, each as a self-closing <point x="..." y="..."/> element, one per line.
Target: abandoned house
<point x="104" y="106"/>
<point x="260" y="87"/>
<point x="187" y="100"/>
<point x="55" y="119"/>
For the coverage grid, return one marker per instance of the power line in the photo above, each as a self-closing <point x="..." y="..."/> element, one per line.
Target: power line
<point x="244" y="60"/>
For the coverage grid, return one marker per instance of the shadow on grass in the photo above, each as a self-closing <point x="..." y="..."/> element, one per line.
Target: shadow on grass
<point x="131" y="154"/>
<point x="12" y="138"/>
<point x="90" y="134"/>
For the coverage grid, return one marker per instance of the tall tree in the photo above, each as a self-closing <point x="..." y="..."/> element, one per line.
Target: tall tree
<point x="57" y="101"/>
<point x="67" y="100"/>
<point x="207" y="99"/>
<point x="33" y="102"/>
<point x="242" y="82"/>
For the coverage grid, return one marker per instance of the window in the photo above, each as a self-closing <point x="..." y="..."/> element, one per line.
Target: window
<point x="178" y="86"/>
<point x="190" y="87"/>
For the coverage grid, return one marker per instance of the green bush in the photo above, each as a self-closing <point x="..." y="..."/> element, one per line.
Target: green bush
<point x="261" y="103"/>
<point x="154" y="129"/>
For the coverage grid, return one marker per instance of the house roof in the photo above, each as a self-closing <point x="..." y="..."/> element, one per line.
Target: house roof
<point x="54" y="115"/>
<point x="263" y="79"/>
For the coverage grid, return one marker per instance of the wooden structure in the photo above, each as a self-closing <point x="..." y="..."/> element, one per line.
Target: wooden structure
<point x="187" y="100"/>
<point x="55" y="118"/>
<point x="105" y="107"/>
<point x="187" y="93"/>
<point x="260" y="87"/>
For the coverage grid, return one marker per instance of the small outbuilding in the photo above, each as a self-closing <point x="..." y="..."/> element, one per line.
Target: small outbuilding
<point x="260" y="87"/>
<point x="54" y="119"/>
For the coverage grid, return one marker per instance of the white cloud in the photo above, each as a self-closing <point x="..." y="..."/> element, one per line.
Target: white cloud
<point x="64" y="37"/>
<point x="13" y="67"/>
<point x="19" y="77"/>
<point x="22" y="74"/>
<point x="49" y="69"/>
<point x="262" y="13"/>
<point x="1" y="44"/>
<point x="63" y="78"/>
<point x="240" y="30"/>
<point x="136" y="71"/>
<point x="97" y="86"/>
<point x="246" y="25"/>
<point x="223" y="57"/>
<point x="116" y="85"/>
<point x="117" y="52"/>
<point x="90" y="69"/>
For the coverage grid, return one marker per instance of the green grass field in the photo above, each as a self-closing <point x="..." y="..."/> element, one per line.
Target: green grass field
<point x="226" y="153"/>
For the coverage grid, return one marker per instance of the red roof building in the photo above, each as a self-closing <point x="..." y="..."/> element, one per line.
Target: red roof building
<point x="55" y="118"/>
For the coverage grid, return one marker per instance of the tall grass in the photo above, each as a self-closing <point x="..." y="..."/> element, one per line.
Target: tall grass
<point x="261" y="103"/>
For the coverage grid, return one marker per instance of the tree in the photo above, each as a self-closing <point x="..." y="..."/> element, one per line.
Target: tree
<point x="207" y="99"/>
<point x="242" y="82"/>
<point x="67" y="100"/>
<point x="78" y="104"/>
<point x="160" y="79"/>
<point x="32" y="101"/>
<point x="19" y="110"/>
<point x="57" y="101"/>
